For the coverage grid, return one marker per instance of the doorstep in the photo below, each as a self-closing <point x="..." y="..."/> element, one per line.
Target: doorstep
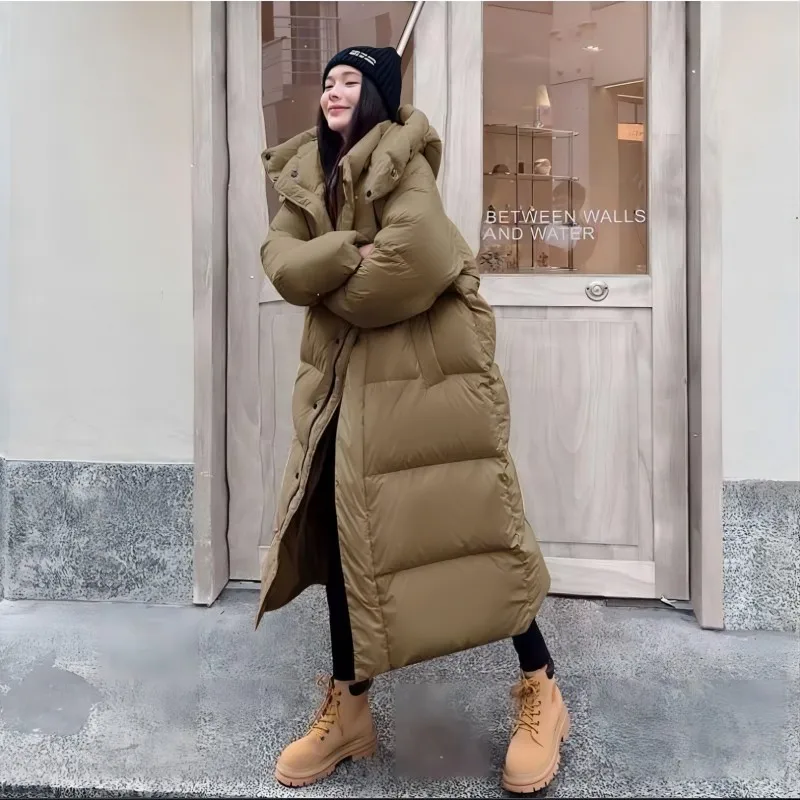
<point x="101" y="699"/>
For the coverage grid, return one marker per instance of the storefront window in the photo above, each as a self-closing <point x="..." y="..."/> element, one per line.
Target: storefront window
<point x="564" y="108"/>
<point x="298" y="39"/>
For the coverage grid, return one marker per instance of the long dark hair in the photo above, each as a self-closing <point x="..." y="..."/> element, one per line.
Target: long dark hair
<point x="370" y="111"/>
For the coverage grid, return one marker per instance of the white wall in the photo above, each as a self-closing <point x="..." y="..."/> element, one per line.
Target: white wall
<point x="100" y="332"/>
<point x="5" y="178"/>
<point x="760" y="87"/>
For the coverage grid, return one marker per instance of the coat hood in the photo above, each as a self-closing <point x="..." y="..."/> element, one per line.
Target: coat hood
<point x="382" y="154"/>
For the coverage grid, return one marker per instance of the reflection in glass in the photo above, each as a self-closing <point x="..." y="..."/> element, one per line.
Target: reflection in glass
<point x="564" y="109"/>
<point x="297" y="41"/>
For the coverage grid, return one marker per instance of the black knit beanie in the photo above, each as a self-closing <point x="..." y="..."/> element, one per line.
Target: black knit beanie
<point x="380" y="64"/>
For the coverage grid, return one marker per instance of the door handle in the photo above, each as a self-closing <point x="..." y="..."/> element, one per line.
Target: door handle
<point x="597" y="291"/>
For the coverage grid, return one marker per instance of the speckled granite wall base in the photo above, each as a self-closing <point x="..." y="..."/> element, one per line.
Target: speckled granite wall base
<point x="761" y="531"/>
<point x="3" y="527"/>
<point x="77" y="531"/>
<point x="92" y="531"/>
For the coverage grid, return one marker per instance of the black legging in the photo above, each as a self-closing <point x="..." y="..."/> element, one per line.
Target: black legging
<point x="530" y="646"/>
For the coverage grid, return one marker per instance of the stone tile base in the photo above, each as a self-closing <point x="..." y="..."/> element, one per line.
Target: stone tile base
<point x="97" y="531"/>
<point x="3" y="523"/>
<point x="761" y="549"/>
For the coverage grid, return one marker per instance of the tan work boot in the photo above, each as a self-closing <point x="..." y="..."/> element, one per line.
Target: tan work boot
<point x="534" y="752"/>
<point x="342" y="728"/>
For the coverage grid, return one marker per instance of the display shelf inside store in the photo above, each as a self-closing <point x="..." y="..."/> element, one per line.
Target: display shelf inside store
<point x="527" y="130"/>
<point x="527" y="176"/>
<point x="525" y="146"/>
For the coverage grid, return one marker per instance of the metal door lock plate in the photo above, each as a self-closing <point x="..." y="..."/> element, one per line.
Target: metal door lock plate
<point x="597" y="291"/>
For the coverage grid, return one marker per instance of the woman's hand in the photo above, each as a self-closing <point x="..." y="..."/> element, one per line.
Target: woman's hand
<point x="366" y="250"/>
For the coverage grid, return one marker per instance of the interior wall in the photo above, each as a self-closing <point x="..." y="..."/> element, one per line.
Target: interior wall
<point x="760" y="149"/>
<point x="100" y="340"/>
<point x="291" y="106"/>
<point x="292" y="82"/>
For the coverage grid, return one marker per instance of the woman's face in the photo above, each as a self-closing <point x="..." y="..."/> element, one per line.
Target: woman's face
<point x="340" y="96"/>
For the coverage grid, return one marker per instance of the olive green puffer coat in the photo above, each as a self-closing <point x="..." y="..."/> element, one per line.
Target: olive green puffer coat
<point x="436" y="551"/>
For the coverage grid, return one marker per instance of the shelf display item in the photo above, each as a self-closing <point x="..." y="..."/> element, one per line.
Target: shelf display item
<point x="542" y="103"/>
<point x="497" y="252"/>
<point x="540" y="238"/>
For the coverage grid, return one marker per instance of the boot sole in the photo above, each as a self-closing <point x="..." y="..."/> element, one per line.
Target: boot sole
<point x="528" y="784"/>
<point x="354" y="750"/>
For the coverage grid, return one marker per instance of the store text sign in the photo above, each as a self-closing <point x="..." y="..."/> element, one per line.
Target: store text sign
<point x="630" y="131"/>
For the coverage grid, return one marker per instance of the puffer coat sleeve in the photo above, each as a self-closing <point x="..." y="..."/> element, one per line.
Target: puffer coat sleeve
<point x="303" y="269"/>
<point x="414" y="260"/>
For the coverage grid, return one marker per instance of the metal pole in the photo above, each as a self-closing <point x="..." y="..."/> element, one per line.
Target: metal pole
<point x="409" y="28"/>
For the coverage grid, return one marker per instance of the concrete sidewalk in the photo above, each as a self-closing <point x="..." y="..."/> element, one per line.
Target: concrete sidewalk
<point x="133" y="700"/>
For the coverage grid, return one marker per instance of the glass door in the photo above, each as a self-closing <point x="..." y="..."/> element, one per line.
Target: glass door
<point x="564" y="151"/>
<point x="276" y="54"/>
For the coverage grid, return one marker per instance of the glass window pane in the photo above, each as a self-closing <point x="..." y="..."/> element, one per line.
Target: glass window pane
<point x="564" y="111"/>
<point x="297" y="41"/>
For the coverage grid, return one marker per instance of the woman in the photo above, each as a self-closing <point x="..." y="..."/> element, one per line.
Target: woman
<point x="399" y="494"/>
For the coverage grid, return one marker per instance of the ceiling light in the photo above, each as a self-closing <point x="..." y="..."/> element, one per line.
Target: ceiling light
<point x="623" y="83"/>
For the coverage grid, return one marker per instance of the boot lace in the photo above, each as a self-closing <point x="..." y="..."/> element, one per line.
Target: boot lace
<point x="528" y="695"/>
<point x="328" y="712"/>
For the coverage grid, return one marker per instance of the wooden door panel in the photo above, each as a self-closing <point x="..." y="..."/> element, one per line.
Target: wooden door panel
<point x="616" y="552"/>
<point x="554" y="291"/>
<point x="280" y="329"/>
<point x="602" y="577"/>
<point x="246" y="222"/>
<point x="666" y="204"/>
<point x="576" y="385"/>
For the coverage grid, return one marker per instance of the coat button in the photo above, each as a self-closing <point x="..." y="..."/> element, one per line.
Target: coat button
<point x="369" y="193"/>
<point x="395" y="173"/>
<point x="294" y="173"/>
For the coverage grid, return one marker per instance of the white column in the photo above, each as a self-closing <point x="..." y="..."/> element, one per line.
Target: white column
<point x="448" y="70"/>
